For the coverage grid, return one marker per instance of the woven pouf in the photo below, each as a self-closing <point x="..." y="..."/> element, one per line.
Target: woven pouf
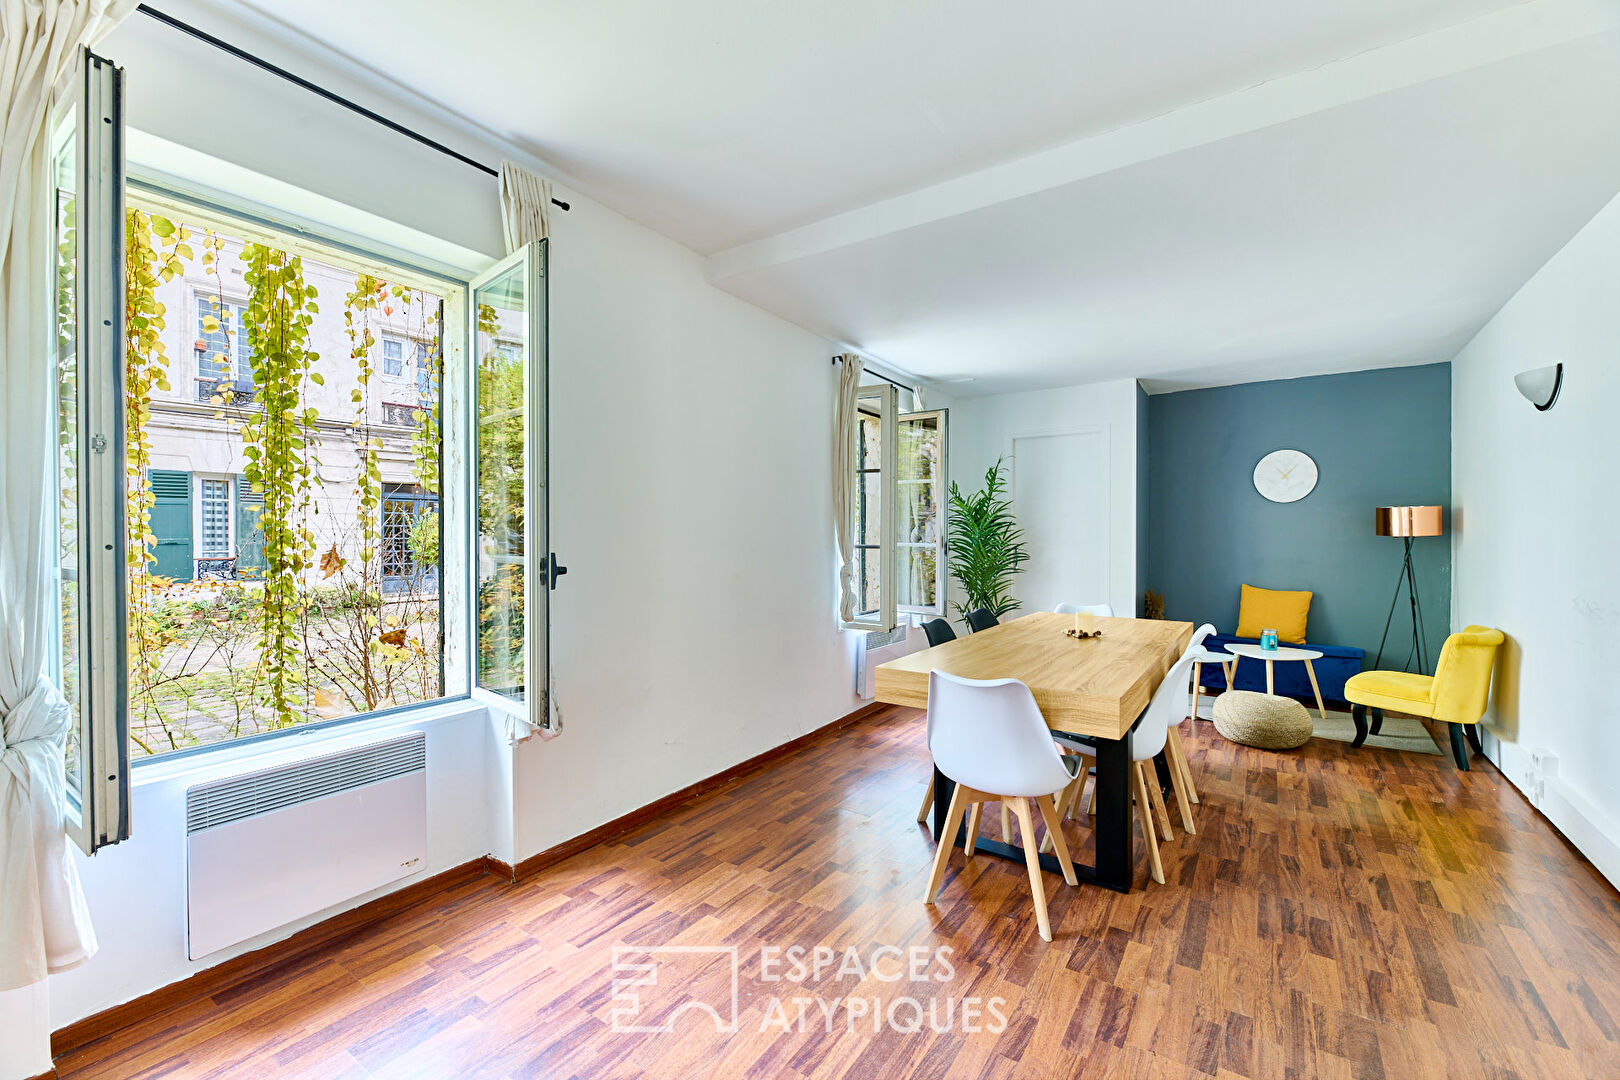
<point x="1263" y="720"/>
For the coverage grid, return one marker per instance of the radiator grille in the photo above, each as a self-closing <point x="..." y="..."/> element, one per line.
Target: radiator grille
<point x="878" y="639"/>
<point x="209" y="806"/>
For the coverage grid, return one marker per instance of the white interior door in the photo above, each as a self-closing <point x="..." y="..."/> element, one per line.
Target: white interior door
<point x="1060" y="497"/>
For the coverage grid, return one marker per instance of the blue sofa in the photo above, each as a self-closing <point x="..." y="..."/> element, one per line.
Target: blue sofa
<point x="1336" y="666"/>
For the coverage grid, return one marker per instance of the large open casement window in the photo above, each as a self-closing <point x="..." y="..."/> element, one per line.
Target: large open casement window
<point x="920" y="513"/>
<point x="87" y="314"/>
<point x="513" y="570"/>
<point x="229" y="471"/>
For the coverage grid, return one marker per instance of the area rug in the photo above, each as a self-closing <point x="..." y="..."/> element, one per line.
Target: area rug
<point x="1398" y="732"/>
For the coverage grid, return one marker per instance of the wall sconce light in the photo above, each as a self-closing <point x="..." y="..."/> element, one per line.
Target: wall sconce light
<point x="1540" y="386"/>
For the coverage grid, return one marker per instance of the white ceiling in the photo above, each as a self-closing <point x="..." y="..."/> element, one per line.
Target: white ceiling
<point x="1059" y="190"/>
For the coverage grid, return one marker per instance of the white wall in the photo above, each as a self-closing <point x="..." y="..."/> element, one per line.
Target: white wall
<point x="691" y="501"/>
<point x="1534" y="527"/>
<point x="984" y="428"/>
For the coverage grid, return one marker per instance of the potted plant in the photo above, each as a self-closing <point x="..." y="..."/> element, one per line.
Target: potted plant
<point x="985" y="545"/>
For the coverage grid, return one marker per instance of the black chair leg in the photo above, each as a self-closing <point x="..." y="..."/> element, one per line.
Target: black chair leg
<point x="1378" y="720"/>
<point x="1459" y="746"/>
<point x="1358" y="714"/>
<point x="1473" y="738"/>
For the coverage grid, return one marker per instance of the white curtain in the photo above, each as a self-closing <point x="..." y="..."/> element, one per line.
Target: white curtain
<point x="525" y="206"/>
<point x="525" y="218"/>
<point x="44" y="925"/>
<point x="843" y="464"/>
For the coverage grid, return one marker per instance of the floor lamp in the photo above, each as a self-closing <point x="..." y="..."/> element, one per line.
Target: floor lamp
<point x="1408" y="523"/>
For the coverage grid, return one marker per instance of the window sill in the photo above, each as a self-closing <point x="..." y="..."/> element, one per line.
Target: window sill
<point x="227" y="759"/>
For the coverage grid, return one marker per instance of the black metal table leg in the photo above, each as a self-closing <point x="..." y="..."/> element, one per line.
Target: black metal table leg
<point x="944" y="788"/>
<point x="1114" y="862"/>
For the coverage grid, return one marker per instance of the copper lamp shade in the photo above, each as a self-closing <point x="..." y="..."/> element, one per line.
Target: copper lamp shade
<point x="1407" y="521"/>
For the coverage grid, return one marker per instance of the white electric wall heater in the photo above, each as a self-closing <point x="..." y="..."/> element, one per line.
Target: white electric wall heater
<point x="266" y="848"/>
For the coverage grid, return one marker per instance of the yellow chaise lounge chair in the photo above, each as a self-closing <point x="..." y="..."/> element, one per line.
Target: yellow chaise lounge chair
<point x="1456" y="694"/>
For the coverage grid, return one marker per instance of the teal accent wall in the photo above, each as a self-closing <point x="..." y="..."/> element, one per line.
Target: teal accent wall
<point x="1379" y="438"/>
<point x="1142" y="457"/>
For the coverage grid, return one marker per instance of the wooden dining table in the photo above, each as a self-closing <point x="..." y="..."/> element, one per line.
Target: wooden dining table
<point x="1094" y="688"/>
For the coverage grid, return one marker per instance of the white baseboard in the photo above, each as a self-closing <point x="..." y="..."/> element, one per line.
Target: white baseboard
<point x="1584" y="825"/>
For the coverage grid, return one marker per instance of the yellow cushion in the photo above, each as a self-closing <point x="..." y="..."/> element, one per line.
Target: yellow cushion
<point x="1398" y="690"/>
<point x="1271" y="609"/>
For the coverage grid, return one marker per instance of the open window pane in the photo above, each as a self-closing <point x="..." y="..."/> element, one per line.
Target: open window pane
<point x="920" y="512"/>
<point x="511" y="593"/>
<point x="86" y="287"/>
<point x="65" y="362"/>
<point x="873" y="507"/>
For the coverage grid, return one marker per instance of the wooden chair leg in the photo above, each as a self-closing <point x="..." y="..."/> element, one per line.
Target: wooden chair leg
<point x="1472" y="730"/>
<point x="1180" y="758"/>
<point x="1076" y="789"/>
<point x="942" y="854"/>
<point x="1091" y="800"/>
<point x="1180" y="784"/>
<point x="1156" y="793"/>
<point x="1139" y="782"/>
<point x="1064" y="802"/>
<point x="1054" y="829"/>
<point x="1006" y="824"/>
<point x="1033" y="860"/>
<point x="973" y="828"/>
<point x="928" y="801"/>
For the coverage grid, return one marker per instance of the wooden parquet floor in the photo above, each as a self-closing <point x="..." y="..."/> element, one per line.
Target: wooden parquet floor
<point x="1340" y="913"/>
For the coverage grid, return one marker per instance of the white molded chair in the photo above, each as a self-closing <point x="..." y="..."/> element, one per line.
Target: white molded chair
<point x="1152" y="734"/>
<point x="1106" y="610"/>
<point x="991" y="738"/>
<point x="1207" y="656"/>
<point x="1186" y="790"/>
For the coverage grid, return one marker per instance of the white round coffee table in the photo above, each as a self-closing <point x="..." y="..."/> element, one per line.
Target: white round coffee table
<point x="1271" y="656"/>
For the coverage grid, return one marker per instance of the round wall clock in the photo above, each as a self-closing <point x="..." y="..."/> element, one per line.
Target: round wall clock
<point x="1285" y="476"/>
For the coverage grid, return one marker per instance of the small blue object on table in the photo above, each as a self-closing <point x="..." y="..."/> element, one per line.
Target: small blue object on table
<point x="1338" y="663"/>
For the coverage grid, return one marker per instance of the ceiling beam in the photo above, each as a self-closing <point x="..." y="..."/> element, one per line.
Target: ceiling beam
<point x="1513" y="31"/>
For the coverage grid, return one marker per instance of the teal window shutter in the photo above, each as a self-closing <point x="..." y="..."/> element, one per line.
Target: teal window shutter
<point x="171" y="524"/>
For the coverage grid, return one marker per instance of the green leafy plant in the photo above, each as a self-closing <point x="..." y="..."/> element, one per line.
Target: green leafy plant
<point x="985" y="545"/>
<point x="277" y="445"/>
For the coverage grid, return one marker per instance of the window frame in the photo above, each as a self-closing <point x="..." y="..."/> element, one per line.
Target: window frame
<point x="941" y="574"/>
<point x="883" y="617"/>
<point x="97" y="813"/>
<point x="243" y="219"/>
<point x="538" y="565"/>
<point x="225" y="309"/>
<point x="399" y="341"/>
<point x="199" y="513"/>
